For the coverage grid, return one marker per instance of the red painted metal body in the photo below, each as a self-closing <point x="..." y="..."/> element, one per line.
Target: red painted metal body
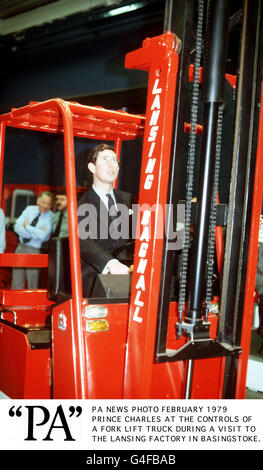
<point x="26" y="364"/>
<point x="252" y="260"/>
<point x="160" y="58"/>
<point x="105" y="354"/>
<point x="118" y="362"/>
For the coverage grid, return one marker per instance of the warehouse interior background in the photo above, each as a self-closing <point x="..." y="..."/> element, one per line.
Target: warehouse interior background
<point x="76" y="51"/>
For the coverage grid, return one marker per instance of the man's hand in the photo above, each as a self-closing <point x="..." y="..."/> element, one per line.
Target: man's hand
<point x="115" y="267"/>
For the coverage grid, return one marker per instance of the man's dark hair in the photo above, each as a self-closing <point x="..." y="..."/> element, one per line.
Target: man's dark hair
<point x="93" y="155"/>
<point x="61" y="192"/>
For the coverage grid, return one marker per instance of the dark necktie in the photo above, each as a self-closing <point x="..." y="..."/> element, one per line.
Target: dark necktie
<point x="33" y="224"/>
<point x="113" y="212"/>
<point x="58" y="227"/>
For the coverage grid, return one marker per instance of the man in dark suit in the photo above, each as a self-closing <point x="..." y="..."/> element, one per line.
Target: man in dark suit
<point x="103" y="215"/>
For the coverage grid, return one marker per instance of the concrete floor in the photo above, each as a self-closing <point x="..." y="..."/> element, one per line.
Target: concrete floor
<point x="250" y="395"/>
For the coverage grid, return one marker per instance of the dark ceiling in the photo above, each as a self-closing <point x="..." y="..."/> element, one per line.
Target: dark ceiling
<point x="10" y="8"/>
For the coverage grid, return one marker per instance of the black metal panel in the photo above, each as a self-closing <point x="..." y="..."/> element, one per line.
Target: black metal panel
<point x="199" y="349"/>
<point x="242" y="186"/>
<point x="38" y="337"/>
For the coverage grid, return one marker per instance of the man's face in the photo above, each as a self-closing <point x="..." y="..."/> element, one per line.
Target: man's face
<point x="44" y="202"/>
<point x="61" y="202"/>
<point x="106" y="168"/>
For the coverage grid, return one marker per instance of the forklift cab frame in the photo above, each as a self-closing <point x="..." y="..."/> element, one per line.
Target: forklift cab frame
<point x="71" y="119"/>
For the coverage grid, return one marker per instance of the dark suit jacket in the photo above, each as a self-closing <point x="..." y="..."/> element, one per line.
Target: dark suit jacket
<point x="98" y="238"/>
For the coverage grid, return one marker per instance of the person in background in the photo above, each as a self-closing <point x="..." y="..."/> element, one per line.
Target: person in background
<point x="2" y="232"/>
<point x="33" y="227"/>
<point x="60" y="217"/>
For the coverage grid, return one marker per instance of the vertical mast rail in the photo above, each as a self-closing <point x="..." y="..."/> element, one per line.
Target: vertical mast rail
<point x="242" y="187"/>
<point x="159" y="55"/>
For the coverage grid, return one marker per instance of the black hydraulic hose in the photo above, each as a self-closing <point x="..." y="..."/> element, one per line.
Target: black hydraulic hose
<point x="205" y="192"/>
<point x="213" y="88"/>
<point x="215" y="52"/>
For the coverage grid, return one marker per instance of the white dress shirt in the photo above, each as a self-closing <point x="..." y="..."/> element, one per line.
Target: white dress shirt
<point x="104" y="198"/>
<point x="38" y="234"/>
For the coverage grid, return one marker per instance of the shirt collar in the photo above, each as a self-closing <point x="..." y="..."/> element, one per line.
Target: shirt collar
<point x="103" y="195"/>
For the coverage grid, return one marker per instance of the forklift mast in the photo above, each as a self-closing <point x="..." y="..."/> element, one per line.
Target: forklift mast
<point x="237" y="282"/>
<point x="175" y="335"/>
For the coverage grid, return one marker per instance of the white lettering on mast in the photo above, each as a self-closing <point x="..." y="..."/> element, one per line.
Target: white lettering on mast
<point x="146" y="217"/>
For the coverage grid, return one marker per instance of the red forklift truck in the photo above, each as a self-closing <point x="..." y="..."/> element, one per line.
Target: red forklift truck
<point x="154" y="341"/>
